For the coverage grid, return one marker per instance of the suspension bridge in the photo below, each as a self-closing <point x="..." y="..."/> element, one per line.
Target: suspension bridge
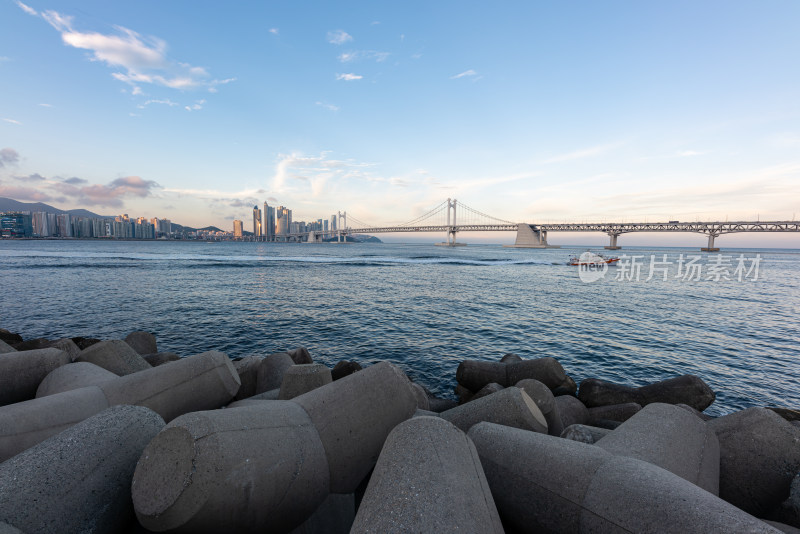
<point x="451" y="217"/>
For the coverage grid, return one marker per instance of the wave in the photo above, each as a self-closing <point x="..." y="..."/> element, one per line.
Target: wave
<point x="256" y="259"/>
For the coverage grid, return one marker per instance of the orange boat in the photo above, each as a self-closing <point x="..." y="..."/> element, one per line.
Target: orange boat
<point x="591" y="258"/>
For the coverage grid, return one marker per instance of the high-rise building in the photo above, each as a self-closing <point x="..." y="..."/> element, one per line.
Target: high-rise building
<point x="333" y="222"/>
<point x="284" y="221"/>
<point x="237" y="229"/>
<point x="269" y="222"/>
<point x="16" y="224"/>
<point x="63" y="225"/>
<point x="256" y="222"/>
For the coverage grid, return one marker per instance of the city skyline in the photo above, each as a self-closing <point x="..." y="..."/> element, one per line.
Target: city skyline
<point x="538" y="113"/>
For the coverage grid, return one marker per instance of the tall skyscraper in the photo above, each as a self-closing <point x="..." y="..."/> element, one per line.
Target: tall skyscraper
<point x="238" y="230"/>
<point x="269" y="222"/>
<point x="256" y="222"/>
<point x="284" y="222"/>
<point x="333" y="222"/>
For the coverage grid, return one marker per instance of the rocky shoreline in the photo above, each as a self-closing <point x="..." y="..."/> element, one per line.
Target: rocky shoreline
<point x="115" y="436"/>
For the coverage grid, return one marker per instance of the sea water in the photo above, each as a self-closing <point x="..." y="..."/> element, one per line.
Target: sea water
<point x="427" y="308"/>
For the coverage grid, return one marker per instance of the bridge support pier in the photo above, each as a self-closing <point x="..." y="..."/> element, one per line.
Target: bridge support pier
<point x="613" y="243"/>
<point x="710" y="247"/>
<point x="530" y="236"/>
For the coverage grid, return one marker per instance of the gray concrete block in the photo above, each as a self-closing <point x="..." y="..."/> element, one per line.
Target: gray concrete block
<point x="115" y="356"/>
<point x="21" y="372"/>
<point x="245" y="402"/>
<point x="78" y="480"/>
<point x="543" y="483"/>
<point x="671" y="438"/>
<point x="247" y="368"/>
<point x="571" y="411"/>
<point x="428" y="479"/>
<point x="300" y="356"/>
<point x="353" y="417"/>
<point x="546" y="370"/>
<point x="34" y="344"/>
<point x="759" y="457"/>
<point x="584" y="433"/>
<point x="67" y="345"/>
<point x="423" y="403"/>
<point x="302" y="378"/>
<point x="5" y="347"/>
<point x="789" y="510"/>
<point x="160" y="358"/>
<point x="73" y="376"/>
<point x="544" y="399"/>
<point x="5" y="528"/>
<point x="474" y="374"/>
<point x="202" y="382"/>
<point x="267" y="395"/>
<point x="782" y="527"/>
<point x="510" y="358"/>
<point x="614" y="412"/>
<point x="511" y="407"/>
<point x="787" y="413"/>
<point x="463" y="394"/>
<point x="697" y="413"/>
<point x="270" y="373"/>
<point x="686" y="389"/>
<point x="440" y="405"/>
<point x="486" y="390"/>
<point x="334" y="516"/>
<point x="251" y="469"/>
<point x="567" y="387"/>
<point x="142" y="342"/>
<point x="424" y="413"/>
<point x="24" y="424"/>
<point x="344" y="368"/>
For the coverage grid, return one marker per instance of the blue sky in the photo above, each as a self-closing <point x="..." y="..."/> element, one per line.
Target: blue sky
<point x="531" y="111"/>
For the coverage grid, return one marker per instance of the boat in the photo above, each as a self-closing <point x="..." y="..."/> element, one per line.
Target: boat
<point x="592" y="259"/>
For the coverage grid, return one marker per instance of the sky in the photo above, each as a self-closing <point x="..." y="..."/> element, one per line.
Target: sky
<point x="527" y="111"/>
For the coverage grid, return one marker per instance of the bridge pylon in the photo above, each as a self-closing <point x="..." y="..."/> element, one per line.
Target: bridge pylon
<point x="451" y="227"/>
<point x="613" y="243"/>
<point x="530" y="236"/>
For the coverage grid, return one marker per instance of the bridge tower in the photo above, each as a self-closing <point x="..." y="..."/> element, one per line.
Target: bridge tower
<point x="613" y="243"/>
<point x="451" y="225"/>
<point x="711" y="248"/>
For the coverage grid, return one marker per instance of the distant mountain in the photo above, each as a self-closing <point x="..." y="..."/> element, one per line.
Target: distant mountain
<point x="9" y="204"/>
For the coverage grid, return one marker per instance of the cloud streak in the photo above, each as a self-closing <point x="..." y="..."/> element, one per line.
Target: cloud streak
<point x="348" y="77"/>
<point x="137" y="59"/>
<point x="339" y="37"/>
<point x="466" y="74"/>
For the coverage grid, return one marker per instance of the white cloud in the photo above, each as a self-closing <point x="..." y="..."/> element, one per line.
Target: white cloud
<point x="136" y="90"/>
<point x="166" y="102"/>
<point x="12" y="121"/>
<point x="46" y="105"/>
<point x="198" y="104"/>
<point x="327" y="106"/>
<point x="339" y="37"/>
<point x="140" y="59"/>
<point x="583" y="153"/>
<point x="689" y="153"/>
<point x="361" y="55"/>
<point x="274" y="31"/>
<point x="348" y="77"/>
<point x="464" y="74"/>
<point x="27" y="9"/>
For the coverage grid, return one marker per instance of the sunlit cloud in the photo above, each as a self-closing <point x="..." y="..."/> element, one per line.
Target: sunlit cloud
<point x="12" y="121"/>
<point x="27" y="9"/>
<point x="465" y="74"/>
<point x="339" y="37"/>
<point x="348" y="77"/>
<point x="274" y="31"/>
<point x="363" y="55"/>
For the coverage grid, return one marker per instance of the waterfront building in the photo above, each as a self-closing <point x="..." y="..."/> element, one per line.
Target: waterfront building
<point x="284" y="222"/>
<point x="269" y="222"/>
<point x="63" y="225"/>
<point x="237" y="229"/>
<point x="16" y="224"/>
<point x="333" y="222"/>
<point x="256" y="222"/>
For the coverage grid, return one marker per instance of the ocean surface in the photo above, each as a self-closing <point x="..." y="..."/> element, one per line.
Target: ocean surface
<point x="427" y="308"/>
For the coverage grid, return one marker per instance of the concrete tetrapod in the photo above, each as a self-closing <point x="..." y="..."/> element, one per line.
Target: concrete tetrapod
<point x="21" y="372"/>
<point x="247" y="368"/>
<point x="544" y="399"/>
<point x="759" y="457"/>
<point x="353" y="417"/>
<point x="259" y="468"/>
<point x="6" y="348"/>
<point x="584" y="433"/>
<point x="78" y="480"/>
<point x="474" y="374"/>
<point x="685" y="389"/>
<point x="270" y="372"/>
<point x="73" y="376"/>
<point x="571" y="411"/>
<point x="142" y="342"/>
<point x="510" y="406"/>
<point x="115" y="356"/>
<point x="302" y="378"/>
<point x="541" y="483"/>
<point x="200" y="382"/>
<point x="267" y="466"/>
<point x="428" y="479"/>
<point x="671" y="438"/>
